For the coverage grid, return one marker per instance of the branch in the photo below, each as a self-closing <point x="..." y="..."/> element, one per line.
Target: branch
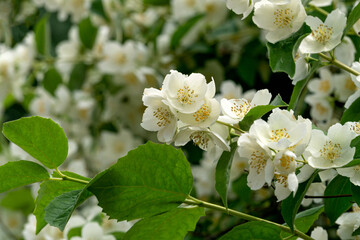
<point x="339" y="64"/>
<point x="193" y="201"/>
<point x="334" y="196"/>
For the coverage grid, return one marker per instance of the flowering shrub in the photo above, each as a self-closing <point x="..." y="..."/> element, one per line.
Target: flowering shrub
<point x="88" y="86"/>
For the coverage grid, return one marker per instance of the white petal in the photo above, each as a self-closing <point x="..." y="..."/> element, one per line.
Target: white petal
<point x="262" y="97"/>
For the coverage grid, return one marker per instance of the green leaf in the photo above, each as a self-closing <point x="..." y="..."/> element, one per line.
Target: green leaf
<point x="352" y="18"/>
<point x="77" y="76"/>
<point x="290" y="206"/>
<point x="52" y="79"/>
<point x="334" y="207"/>
<point x="222" y="175"/>
<point x="248" y="66"/>
<point x="182" y="30"/>
<point x="48" y="191"/>
<point x="356" y="232"/>
<point x="242" y="190"/>
<point x="282" y="54"/>
<point x="352" y="114"/>
<point x="19" y="200"/>
<point x="304" y="220"/>
<point x="42" y="36"/>
<point x="249" y="62"/>
<point x="98" y="8"/>
<point x="87" y="33"/>
<point x="353" y="163"/>
<point x="258" y="111"/>
<point x="155" y="31"/>
<point x="172" y="225"/>
<point x="156" y="2"/>
<point x="356" y="143"/>
<point x="281" y="57"/>
<point x="59" y="210"/>
<point x="118" y="235"/>
<point x="300" y="86"/>
<point x="253" y="230"/>
<point x="151" y="179"/>
<point x="41" y="137"/>
<point x="74" y="232"/>
<point x="21" y="173"/>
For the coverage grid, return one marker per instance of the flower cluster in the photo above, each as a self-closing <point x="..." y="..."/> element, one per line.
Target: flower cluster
<point x="185" y="109"/>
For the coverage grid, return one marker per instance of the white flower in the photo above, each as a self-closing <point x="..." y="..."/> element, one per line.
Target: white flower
<point x="280" y="133"/>
<point x="202" y="137"/>
<point x="321" y="110"/>
<point x="352" y="98"/>
<point x="185" y="93"/>
<point x="184" y="9"/>
<point x="92" y="230"/>
<point x="204" y="173"/>
<point x="50" y="232"/>
<point x="7" y="66"/>
<point x="351" y="172"/>
<point x="305" y="171"/>
<point x="284" y="185"/>
<point x="243" y="7"/>
<point x="229" y="90"/>
<point x="344" y="86"/>
<point x="42" y="104"/>
<point x="345" y="51"/>
<point x="146" y="18"/>
<point x="113" y="146"/>
<point x="328" y="175"/>
<point x="68" y="51"/>
<point x="13" y="221"/>
<point x="356" y="80"/>
<point x="158" y="116"/>
<point x="319" y="234"/>
<point x="286" y="180"/>
<point x="280" y="20"/>
<point x="320" y="3"/>
<point x="78" y="166"/>
<point x="301" y="67"/>
<point x="102" y="37"/>
<point x="354" y="126"/>
<point x="349" y="222"/>
<point x="261" y="168"/>
<point x="112" y="225"/>
<point x="84" y="106"/>
<point x="285" y="162"/>
<point x="325" y="36"/>
<point x="322" y="86"/>
<point x="333" y="150"/>
<point x="315" y="189"/>
<point x="77" y="9"/>
<point x="205" y="116"/>
<point x="215" y="12"/>
<point x="118" y="58"/>
<point x="235" y="109"/>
